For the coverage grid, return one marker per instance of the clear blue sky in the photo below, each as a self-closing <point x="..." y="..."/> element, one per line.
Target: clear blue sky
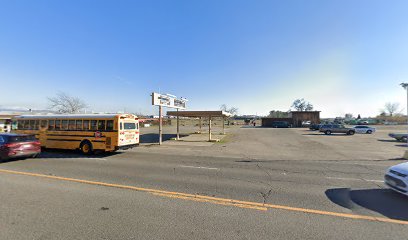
<point x="343" y="56"/>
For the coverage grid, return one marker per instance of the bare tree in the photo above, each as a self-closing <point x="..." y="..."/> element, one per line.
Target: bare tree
<point x="224" y="107"/>
<point x="302" y="105"/>
<point x="64" y="103"/>
<point x="278" y="114"/>
<point x="232" y="110"/>
<point x="392" y="108"/>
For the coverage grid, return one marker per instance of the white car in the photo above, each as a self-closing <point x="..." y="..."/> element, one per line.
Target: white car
<point x="397" y="178"/>
<point x="364" y="129"/>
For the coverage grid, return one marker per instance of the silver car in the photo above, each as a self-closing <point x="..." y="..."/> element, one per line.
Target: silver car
<point x="396" y="178"/>
<point x="364" y="129"/>
<point x="336" y="128"/>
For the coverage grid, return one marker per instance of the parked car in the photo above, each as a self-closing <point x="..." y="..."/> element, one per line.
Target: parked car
<point x="315" y="126"/>
<point x="401" y="137"/>
<point x="306" y="123"/>
<point x="280" y="124"/>
<point x="18" y="145"/>
<point x="336" y="128"/>
<point x="396" y="178"/>
<point x="364" y="129"/>
<point x="362" y="122"/>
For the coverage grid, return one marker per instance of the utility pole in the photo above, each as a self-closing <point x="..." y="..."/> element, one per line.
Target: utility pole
<point x="160" y="124"/>
<point x="405" y="85"/>
<point x="178" y="126"/>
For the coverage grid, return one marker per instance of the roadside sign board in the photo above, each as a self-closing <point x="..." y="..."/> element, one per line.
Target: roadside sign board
<point x="169" y="101"/>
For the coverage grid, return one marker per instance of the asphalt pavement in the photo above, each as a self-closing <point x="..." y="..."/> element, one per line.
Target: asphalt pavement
<point x="131" y="195"/>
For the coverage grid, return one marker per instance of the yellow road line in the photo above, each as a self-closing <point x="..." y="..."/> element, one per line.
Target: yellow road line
<point x="215" y="200"/>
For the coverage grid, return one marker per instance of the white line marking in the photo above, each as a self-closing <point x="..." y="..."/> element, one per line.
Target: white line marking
<point x="356" y="179"/>
<point x="199" y="167"/>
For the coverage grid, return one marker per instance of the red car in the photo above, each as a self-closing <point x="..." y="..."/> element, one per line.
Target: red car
<point x="18" y="145"/>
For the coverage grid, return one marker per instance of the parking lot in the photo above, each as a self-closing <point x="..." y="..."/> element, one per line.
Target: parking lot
<point x="291" y="144"/>
<point x="256" y="183"/>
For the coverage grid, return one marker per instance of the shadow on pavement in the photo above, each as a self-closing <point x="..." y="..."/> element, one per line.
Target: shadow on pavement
<point x="387" y="140"/>
<point x="59" y="153"/>
<point x="330" y="135"/>
<point x="154" y="137"/>
<point x="384" y="201"/>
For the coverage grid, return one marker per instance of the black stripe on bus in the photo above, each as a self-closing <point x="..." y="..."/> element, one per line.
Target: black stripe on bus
<point x="72" y="140"/>
<point x="64" y="140"/>
<point x="66" y="135"/>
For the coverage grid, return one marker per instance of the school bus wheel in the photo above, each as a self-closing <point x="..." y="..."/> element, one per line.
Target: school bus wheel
<point x="86" y="147"/>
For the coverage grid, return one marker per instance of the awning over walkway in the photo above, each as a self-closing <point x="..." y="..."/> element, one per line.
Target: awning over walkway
<point x="199" y="113"/>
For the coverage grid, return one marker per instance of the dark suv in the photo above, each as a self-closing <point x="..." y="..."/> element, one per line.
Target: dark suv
<point x="336" y="128"/>
<point x="280" y="124"/>
<point x="18" y="145"/>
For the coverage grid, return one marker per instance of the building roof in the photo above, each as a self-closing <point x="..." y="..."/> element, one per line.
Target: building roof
<point x="7" y="116"/>
<point x="70" y="116"/>
<point x="305" y="111"/>
<point x="199" y="113"/>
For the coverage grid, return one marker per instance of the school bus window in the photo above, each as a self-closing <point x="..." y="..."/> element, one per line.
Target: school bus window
<point x="130" y="126"/>
<point x="37" y="124"/>
<point x="20" y="124"/>
<point x="43" y="123"/>
<point x="51" y="125"/>
<point x="78" y="124"/>
<point x="64" y="125"/>
<point x="121" y="126"/>
<point x="94" y="124"/>
<point x="101" y="125"/>
<point x="25" y="124"/>
<point x="31" y="125"/>
<point x="71" y="125"/>
<point x="57" y="124"/>
<point x="86" y="124"/>
<point x="109" y="125"/>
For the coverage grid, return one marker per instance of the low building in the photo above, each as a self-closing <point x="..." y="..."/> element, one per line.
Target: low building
<point x="296" y="118"/>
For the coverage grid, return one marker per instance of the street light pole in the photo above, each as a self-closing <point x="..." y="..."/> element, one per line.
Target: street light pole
<point x="405" y="85"/>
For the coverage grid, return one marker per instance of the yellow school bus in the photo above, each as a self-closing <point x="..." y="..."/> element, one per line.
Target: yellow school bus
<point x="86" y="132"/>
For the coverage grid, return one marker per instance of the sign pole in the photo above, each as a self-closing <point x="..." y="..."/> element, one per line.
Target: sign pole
<point x="201" y="125"/>
<point x="209" y="129"/>
<point x="160" y="124"/>
<point x="178" y="126"/>
<point x="223" y="125"/>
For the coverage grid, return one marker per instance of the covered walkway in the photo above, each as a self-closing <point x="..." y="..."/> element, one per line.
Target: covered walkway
<point x="200" y="115"/>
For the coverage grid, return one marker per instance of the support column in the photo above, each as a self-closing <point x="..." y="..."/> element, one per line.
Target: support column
<point x="223" y="125"/>
<point x="201" y="124"/>
<point x="209" y="129"/>
<point x="178" y="127"/>
<point x="160" y="124"/>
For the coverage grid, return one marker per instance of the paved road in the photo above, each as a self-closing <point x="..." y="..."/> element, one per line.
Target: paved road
<point x="139" y="195"/>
